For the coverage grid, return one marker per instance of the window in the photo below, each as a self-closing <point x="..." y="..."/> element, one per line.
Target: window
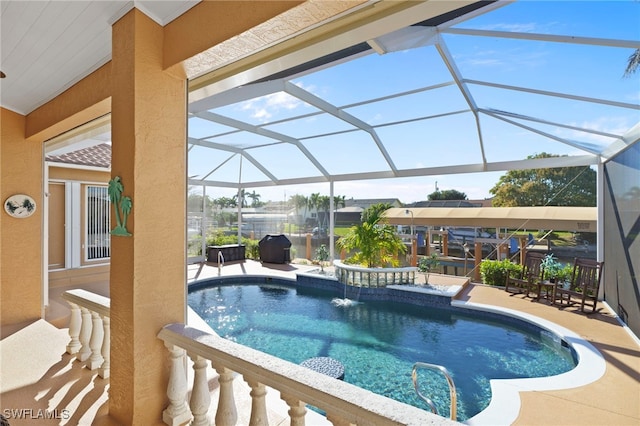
<point x="98" y="223"/>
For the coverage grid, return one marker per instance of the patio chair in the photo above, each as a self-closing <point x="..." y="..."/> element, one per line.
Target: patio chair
<point x="531" y="274"/>
<point x="584" y="285"/>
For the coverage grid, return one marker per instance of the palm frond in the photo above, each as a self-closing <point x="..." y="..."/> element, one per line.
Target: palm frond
<point x="632" y="63"/>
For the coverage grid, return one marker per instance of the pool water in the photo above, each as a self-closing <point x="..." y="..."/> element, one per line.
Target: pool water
<point x="378" y="342"/>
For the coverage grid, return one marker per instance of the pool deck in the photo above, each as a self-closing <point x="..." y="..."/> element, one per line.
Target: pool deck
<point x="614" y="399"/>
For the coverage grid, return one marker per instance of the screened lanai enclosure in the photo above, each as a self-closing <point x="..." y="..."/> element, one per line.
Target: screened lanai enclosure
<point x="436" y="89"/>
<point x="412" y="93"/>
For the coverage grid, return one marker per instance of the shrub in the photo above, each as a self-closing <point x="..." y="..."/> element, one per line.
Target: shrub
<point x="322" y="255"/>
<point x="550" y="236"/>
<point x="588" y="237"/>
<point x="252" y="250"/>
<point x="551" y="267"/>
<point x="194" y="248"/>
<point x="428" y="263"/>
<point x="565" y="273"/>
<point x="494" y="272"/>
<point x="377" y="245"/>
<point x="218" y="238"/>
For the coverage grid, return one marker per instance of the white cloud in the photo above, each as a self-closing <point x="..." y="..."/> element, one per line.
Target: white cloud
<point x="525" y="27"/>
<point x="614" y="125"/>
<point x="269" y="106"/>
<point x="633" y="97"/>
<point x="508" y="59"/>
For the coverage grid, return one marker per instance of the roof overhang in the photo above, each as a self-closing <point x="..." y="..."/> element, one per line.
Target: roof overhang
<point x="582" y="219"/>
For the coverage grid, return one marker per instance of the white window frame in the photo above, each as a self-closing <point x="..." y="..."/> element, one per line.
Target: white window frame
<point x="104" y="228"/>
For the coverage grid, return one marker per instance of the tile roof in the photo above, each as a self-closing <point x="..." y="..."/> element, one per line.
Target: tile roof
<point x="447" y="203"/>
<point x="95" y="156"/>
<point x="367" y="202"/>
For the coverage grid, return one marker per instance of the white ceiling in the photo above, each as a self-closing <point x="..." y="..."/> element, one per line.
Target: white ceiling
<point x="47" y="46"/>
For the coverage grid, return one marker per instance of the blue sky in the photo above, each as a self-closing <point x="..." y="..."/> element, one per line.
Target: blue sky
<point x="582" y="70"/>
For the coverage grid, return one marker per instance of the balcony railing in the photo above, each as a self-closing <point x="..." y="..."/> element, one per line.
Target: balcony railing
<point x="89" y="329"/>
<point x="373" y="277"/>
<point x="343" y="403"/>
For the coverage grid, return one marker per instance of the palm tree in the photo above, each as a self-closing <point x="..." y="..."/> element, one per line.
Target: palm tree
<point x="226" y="202"/>
<point x="338" y="200"/>
<point x="255" y="198"/>
<point x="373" y="214"/>
<point x="314" y="202"/>
<point x="376" y="241"/>
<point x="324" y="203"/>
<point x="632" y="63"/>
<point x="241" y="198"/>
<point x="299" y="201"/>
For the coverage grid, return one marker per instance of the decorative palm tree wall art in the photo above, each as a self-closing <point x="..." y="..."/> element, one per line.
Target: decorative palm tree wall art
<point x="120" y="204"/>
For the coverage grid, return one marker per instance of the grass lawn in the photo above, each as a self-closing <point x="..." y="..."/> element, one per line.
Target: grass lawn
<point x="558" y="238"/>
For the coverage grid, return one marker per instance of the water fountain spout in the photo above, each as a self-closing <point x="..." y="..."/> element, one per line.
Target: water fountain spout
<point x="345" y="302"/>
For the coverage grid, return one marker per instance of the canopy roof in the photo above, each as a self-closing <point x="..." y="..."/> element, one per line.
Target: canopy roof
<point x="580" y="219"/>
<point x="424" y="89"/>
<point x="479" y="87"/>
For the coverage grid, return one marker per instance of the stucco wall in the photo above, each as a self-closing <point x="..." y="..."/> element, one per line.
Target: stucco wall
<point x="90" y="176"/>
<point x="57" y="227"/>
<point x="20" y="239"/>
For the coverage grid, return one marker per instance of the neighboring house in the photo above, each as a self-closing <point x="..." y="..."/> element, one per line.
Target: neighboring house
<point x="79" y="215"/>
<point x="365" y="203"/>
<point x="452" y="203"/>
<point x="349" y="216"/>
<point x="352" y="211"/>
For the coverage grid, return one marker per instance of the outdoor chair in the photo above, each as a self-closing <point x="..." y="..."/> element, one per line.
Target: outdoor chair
<point x="584" y="285"/>
<point x="532" y="273"/>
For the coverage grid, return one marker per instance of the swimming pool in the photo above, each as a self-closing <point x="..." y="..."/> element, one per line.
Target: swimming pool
<point x="379" y="342"/>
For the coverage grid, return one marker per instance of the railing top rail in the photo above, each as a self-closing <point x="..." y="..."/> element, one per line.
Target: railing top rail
<point x="92" y="301"/>
<point x="344" y="266"/>
<point x="341" y="398"/>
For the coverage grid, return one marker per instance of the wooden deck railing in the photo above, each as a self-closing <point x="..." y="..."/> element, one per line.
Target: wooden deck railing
<point x="90" y="329"/>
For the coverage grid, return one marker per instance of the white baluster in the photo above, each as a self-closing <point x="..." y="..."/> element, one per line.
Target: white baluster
<point x="85" y="335"/>
<point x="258" y="404"/>
<point x="74" y="329"/>
<point x="226" y="414"/>
<point x="177" y="413"/>
<point x="105" y="368"/>
<point x="200" y="396"/>
<point x="95" y="343"/>
<point x="297" y="410"/>
<point x="338" y="421"/>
